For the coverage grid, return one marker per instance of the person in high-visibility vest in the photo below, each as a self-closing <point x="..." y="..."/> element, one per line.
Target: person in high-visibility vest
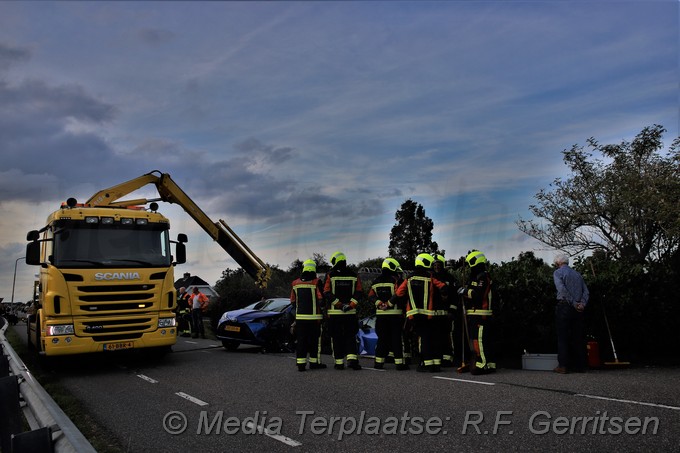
<point x="183" y="313"/>
<point x="389" y="317"/>
<point x="342" y="290"/>
<point x="419" y="292"/>
<point x="444" y="313"/>
<point x="307" y="297"/>
<point x="478" y="298"/>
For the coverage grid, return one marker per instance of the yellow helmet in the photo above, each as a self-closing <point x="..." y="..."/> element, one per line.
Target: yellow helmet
<point x="474" y="258"/>
<point x="441" y="258"/>
<point x="424" y="260"/>
<point x="337" y="257"/>
<point x="309" y="266"/>
<point x="391" y="264"/>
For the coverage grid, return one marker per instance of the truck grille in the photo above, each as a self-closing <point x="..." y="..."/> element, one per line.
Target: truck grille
<point x="115" y="299"/>
<point x="103" y="329"/>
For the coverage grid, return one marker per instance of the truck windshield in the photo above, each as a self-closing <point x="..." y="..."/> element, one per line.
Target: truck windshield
<point x="78" y="245"/>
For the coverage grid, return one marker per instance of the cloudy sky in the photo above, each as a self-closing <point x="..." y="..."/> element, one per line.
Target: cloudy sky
<point x="305" y="125"/>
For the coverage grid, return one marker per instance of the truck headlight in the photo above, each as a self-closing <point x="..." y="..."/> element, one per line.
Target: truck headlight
<point x="61" y="329"/>
<point x="166" y="322"/>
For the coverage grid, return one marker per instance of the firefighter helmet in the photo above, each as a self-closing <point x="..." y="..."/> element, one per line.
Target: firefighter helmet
<point x="474" y="258"/>
<point x="441" y="258"/>
<point x="309" y="266"/>
<point x="424" y="260"/>
<point x="337" y="257"/>
<point x="391" y="264"/>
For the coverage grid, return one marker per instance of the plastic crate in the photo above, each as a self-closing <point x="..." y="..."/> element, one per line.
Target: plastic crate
<point x="539" y="362"/>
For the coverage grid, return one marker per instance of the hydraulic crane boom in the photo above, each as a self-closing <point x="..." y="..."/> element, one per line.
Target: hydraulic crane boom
<point x="170" y="192"/>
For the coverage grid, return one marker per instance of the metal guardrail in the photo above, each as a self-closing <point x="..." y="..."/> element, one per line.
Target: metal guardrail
<point x="39" y="408"/>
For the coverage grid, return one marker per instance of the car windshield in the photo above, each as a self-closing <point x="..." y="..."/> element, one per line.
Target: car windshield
<point x="277" y="304"/>
<point x="78" y="244"/>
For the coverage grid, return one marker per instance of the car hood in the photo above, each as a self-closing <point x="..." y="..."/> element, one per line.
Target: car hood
<point x="246" y="315"/>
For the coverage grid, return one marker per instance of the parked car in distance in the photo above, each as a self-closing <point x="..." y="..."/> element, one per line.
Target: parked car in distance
<point x="263" y="323"/>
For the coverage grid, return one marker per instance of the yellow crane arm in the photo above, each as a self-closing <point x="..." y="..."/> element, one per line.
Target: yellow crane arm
<point x="170" y="192"/>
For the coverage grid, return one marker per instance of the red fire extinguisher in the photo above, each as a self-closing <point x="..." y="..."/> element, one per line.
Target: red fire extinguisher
<point x="594" y="354"/>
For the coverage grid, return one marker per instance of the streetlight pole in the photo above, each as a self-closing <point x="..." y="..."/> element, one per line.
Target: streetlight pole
<point x="15" y="280"/>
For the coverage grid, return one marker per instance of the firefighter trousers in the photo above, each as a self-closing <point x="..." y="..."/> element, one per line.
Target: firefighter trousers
<point x="389" y="331"/>
<point x="481" y="334"/>
<point x="308" y="337"/>
<point x="424" y="329"/>
<point x="343" y="330"/>
<point x="442" y="338"/>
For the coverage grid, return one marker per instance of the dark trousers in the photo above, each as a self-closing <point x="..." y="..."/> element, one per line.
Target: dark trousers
<point x="571" y="338"/>
<point x="308" y="336"/>
<point x="448" y="346"/>
<point x="197" y="327"/>
<point x="184" y="322"/>
<point x="389" y="328"/>
<point x="343" y="330"/>
<point x="442" y="338"/>
<point x="424" y="329"/>
<point x="481" y="334"/>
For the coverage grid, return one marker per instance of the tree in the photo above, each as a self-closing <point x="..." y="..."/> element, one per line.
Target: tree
<point x="625" y="203"/>
<point x="411" y="235"/>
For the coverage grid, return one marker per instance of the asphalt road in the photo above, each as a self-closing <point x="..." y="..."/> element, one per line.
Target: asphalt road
<point x="203" y="398"/>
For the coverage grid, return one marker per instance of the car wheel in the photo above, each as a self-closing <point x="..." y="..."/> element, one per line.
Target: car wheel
<point x="230" y="345"/>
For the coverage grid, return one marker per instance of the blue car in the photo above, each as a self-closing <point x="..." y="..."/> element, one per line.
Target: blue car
<point x="263" y="323"/>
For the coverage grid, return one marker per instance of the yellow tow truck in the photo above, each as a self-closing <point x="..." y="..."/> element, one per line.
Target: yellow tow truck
<point x="106" y="270"/>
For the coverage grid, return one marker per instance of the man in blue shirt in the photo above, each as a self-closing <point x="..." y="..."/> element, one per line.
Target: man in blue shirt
<point x="572" y="298"/>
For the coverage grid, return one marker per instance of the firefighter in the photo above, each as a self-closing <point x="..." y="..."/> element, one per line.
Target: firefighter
<point x="444" y="310"/>
<point x="419" y="292"/>
<point x="307" y="298"/>
<point x="478" y="297"/>
<point x="183" y="313"/>
<point x="342" y="289"/>
<point x="389" y="317"/>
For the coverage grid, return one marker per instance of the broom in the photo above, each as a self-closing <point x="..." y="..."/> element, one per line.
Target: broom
<point x="616" y="362"/>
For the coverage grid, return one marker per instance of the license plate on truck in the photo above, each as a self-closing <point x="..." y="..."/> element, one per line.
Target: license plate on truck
<point x="232" y="328"/>
<point x="118" y="346"/>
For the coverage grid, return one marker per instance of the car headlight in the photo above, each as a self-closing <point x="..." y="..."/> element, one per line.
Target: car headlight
<point x="61" y="329"/>
<point x="166" y="322"/>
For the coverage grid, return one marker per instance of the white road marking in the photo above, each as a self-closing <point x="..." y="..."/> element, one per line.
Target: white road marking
<point x="191" y="342"/>
<point x="464" y="380"/>
<point x="642" y="403"/>
<point x="372" y="369"/>
<point x="191" y="398"/>
<point x="147" y="378"/>
<point x="262" y="430"/>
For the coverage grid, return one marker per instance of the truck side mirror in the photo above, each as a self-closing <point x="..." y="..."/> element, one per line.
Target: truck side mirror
<point x="180" y="253"/>
<point x="33" y="235"/>
<point x="33" y="253"/>
<point x="181" y="237"/>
